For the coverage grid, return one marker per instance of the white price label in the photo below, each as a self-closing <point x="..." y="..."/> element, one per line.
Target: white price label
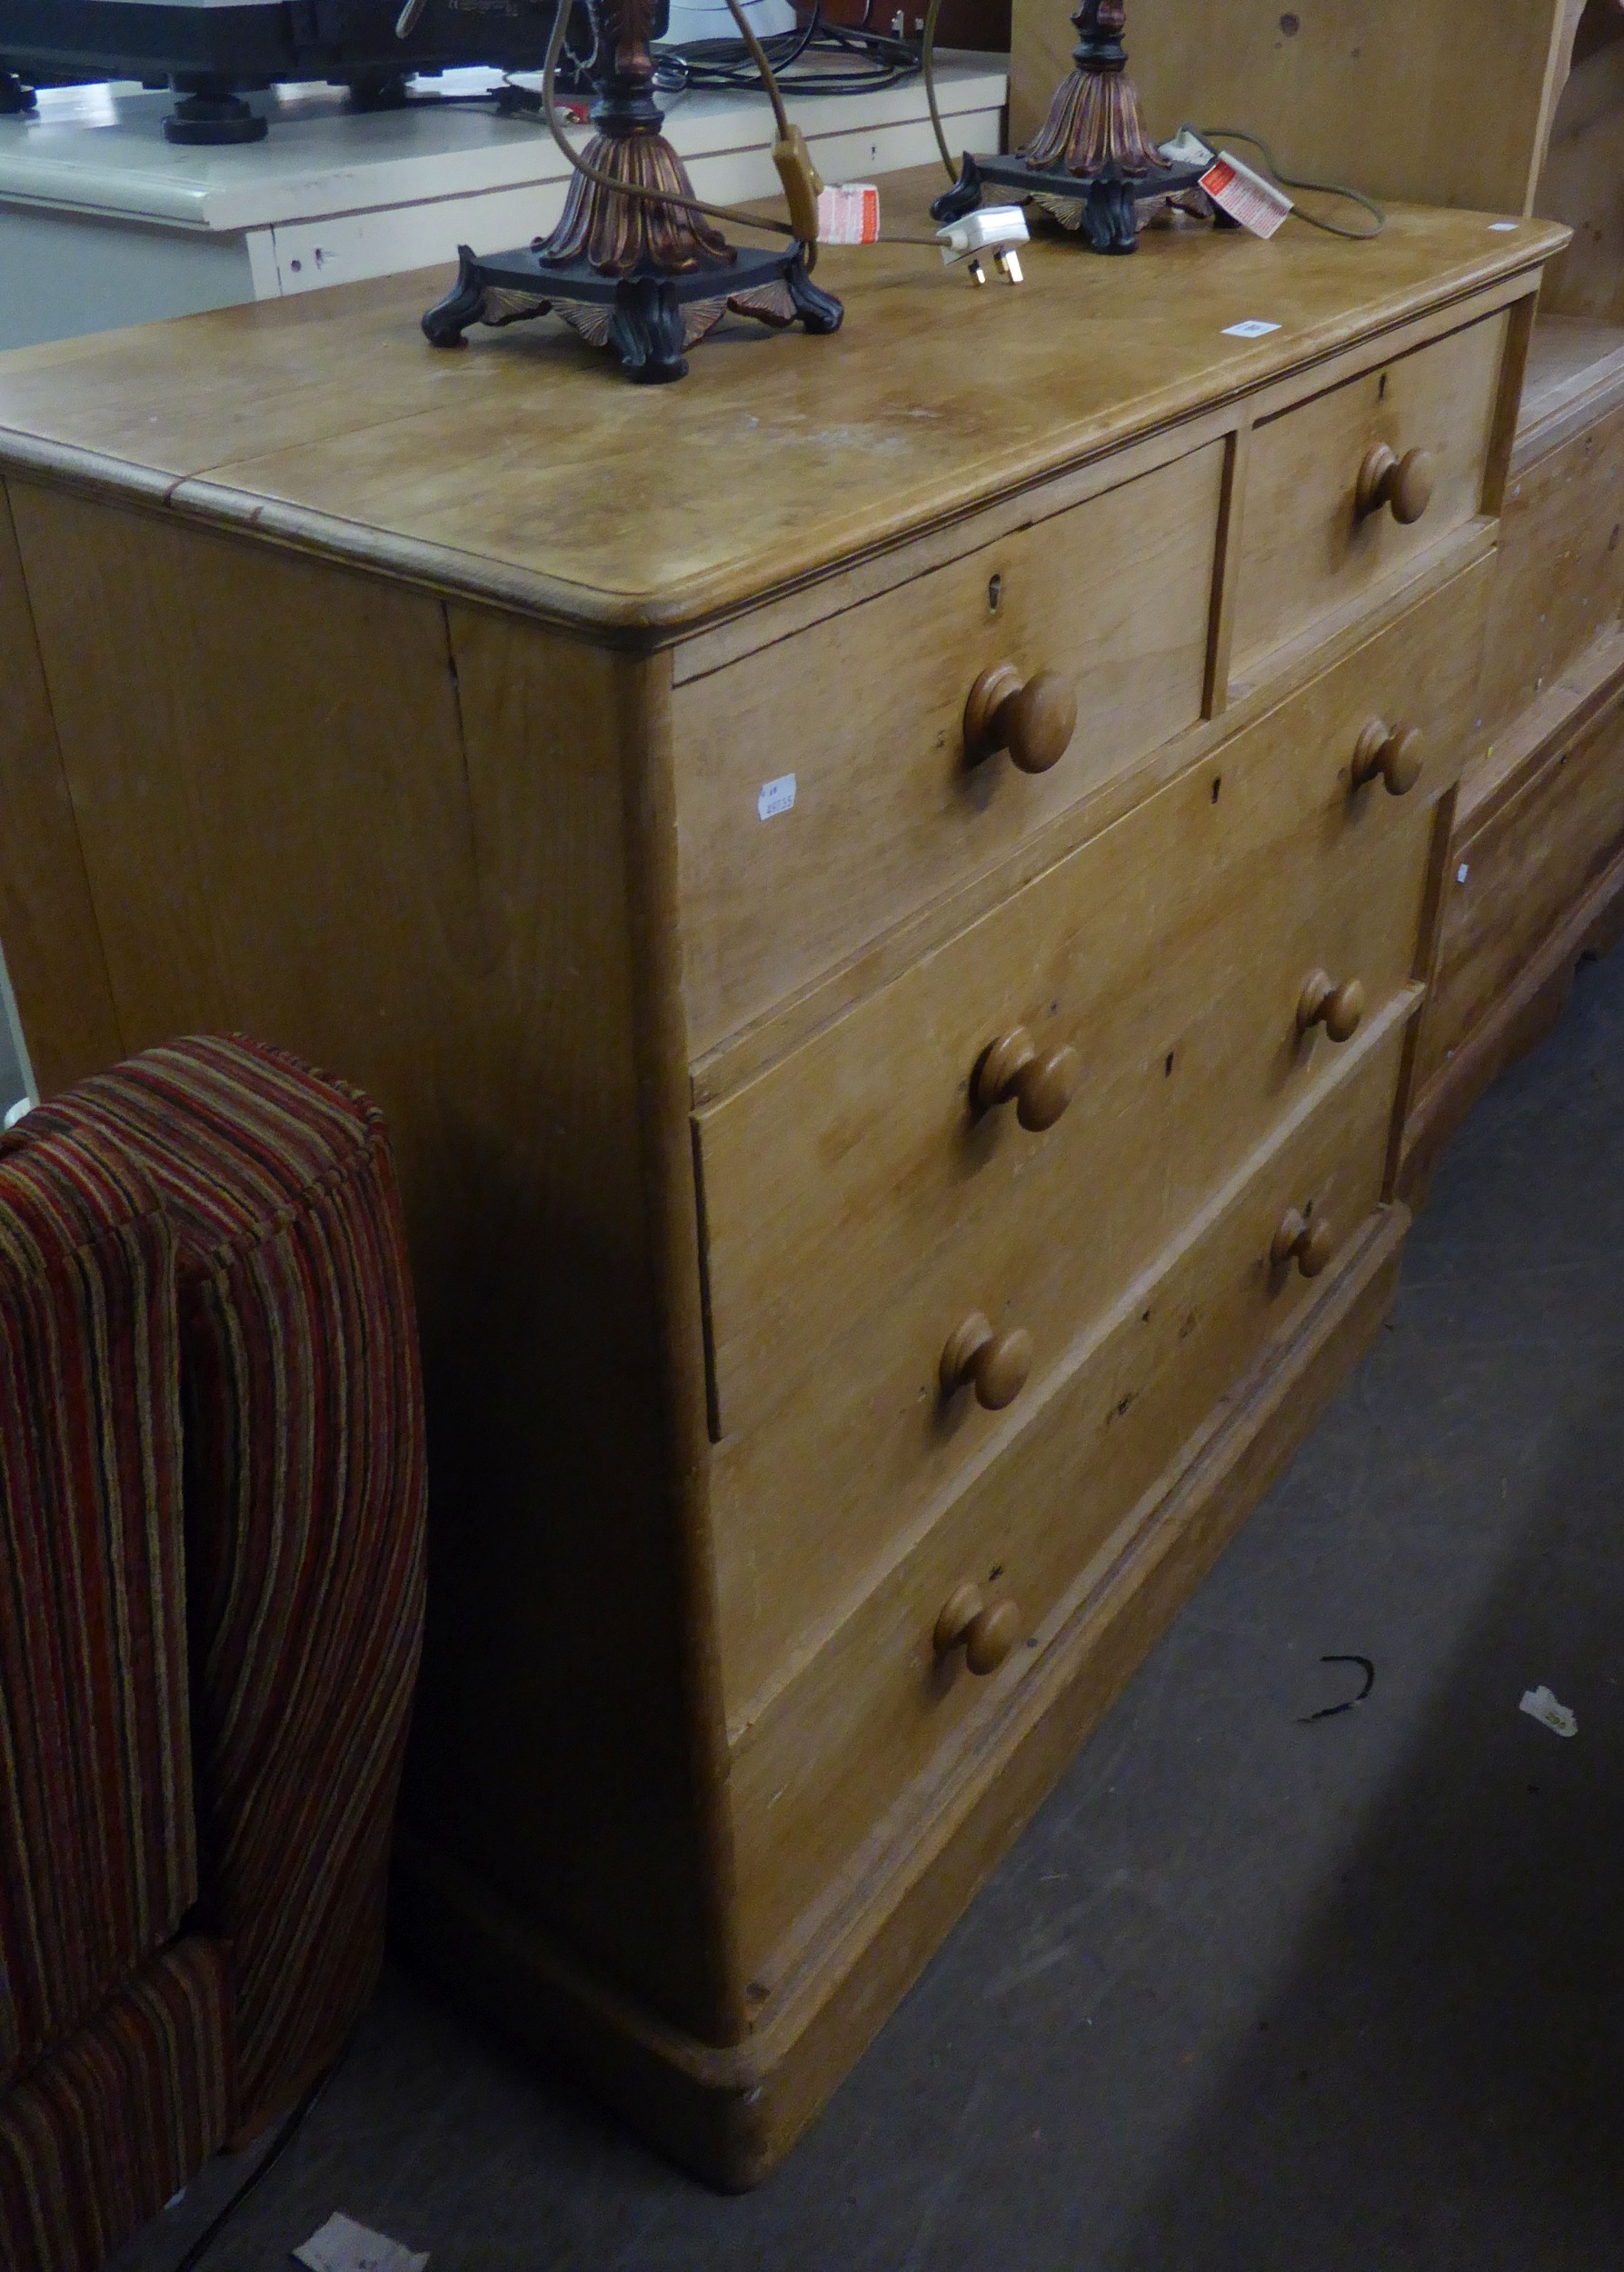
<point x="1540" y="1705"/>
<point x="774" y="797"/>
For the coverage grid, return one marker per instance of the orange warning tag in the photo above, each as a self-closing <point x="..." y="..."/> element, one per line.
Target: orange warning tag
<point x="1244" y="196"/>
<point x="849" y="214"/>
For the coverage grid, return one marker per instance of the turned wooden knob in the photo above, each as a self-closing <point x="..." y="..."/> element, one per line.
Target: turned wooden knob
<point x="1393" y="752"/>
<point x="1403" y="483"/>
<point x="1338" y="1009"/>
<point x="1012" y="1071"/>
<point x="995" y="1365"/>
<point x="986" y="1631"/>
<point x="1308" y="1244"/>
<point x="1034" y="719"/>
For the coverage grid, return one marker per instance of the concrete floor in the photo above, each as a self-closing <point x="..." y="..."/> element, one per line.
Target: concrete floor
<point x="1250" y="1994"/>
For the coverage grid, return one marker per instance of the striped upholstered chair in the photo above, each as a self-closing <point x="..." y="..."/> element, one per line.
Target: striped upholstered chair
<point x="280" y="1265"/>
<point x="114" y="2021"/>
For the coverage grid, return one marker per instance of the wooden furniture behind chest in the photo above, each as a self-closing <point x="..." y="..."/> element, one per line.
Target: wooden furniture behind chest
<point x="1519" y="109"/>
<point x="891" y="1174"/>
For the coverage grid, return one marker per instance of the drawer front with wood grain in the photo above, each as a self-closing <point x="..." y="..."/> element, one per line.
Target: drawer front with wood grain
<point x="824" y="786"/>
<point x="918" y="1662"/>
<point x="1560" y="580"/>
<point x="1342" y="491"/>
<point x="859" y="1208"/>
<point x="1514" y="882"/>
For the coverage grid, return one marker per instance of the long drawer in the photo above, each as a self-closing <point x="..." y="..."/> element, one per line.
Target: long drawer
<point x="833" y="1750"/>
<point x="1114" y="595"/>
<point x="857" y="1209"/>
<point x="1306" y="549"/>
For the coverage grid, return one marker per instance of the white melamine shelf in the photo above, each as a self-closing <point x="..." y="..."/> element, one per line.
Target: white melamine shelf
<point x="102" y="222"/>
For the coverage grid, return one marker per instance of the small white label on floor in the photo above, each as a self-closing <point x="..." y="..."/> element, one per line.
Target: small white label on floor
<point x="342" y="2246"/>
<point x="1540" y="1705"/>
<point x="1254" y="327"/>
<point x="1462" y="872"/>
<point x="775" y="797"/>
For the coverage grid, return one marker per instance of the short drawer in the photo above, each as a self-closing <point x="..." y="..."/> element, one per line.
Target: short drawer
<point x="1307" y="547"/>
<point x="881" y="1704"/>
<point x="857" y="1208"/>
<point x="865" y="711"/>
<point x="1560" y="580"/>
<point x="1518" y="879"/>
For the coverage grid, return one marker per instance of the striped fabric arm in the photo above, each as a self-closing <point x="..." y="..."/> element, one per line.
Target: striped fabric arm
<point x="304" y="1490"/>
<point x="97" y="1855"/>
<point x="101" y="2133"/>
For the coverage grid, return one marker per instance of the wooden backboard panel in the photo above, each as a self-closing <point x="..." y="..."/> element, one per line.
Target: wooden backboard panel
<point x="1446" y="102"/>
<point x="1583" y="181"/>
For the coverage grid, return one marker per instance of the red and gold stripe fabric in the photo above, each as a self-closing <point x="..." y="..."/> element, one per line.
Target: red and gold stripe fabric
<point x="118" y="2118"/>
<point x="98" y="1857"/>
<point x="305" y="1498"/>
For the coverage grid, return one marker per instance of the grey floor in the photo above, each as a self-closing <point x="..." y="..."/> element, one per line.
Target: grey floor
<point x="1250" y="1994"/>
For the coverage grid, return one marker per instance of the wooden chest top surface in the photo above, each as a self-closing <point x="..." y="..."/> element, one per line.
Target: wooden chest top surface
<point x="527" y="469"/>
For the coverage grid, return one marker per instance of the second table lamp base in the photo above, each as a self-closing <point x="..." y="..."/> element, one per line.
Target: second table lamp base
<point x="1091" y="164"/>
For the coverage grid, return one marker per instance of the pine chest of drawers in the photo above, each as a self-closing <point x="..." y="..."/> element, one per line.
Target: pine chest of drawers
<point x="885" y="890"/>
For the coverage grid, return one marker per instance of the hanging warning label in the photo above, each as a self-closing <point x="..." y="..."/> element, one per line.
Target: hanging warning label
<point x="1244" y="196"/>
<point x="848" y="214"/>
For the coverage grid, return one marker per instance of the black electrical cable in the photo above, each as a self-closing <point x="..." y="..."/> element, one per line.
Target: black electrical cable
<point x="692" y="66"/>
<point x="289" y="2131"/>
<point x="726" y="66"/>
<point x="728" y="62"/>
<point x="507" y="101"/>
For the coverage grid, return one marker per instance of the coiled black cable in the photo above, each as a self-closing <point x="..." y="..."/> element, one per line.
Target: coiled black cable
<point x="873" y="60"/>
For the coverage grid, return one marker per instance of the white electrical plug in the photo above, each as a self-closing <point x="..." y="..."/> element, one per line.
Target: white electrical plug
<point x="995" y="229"/>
